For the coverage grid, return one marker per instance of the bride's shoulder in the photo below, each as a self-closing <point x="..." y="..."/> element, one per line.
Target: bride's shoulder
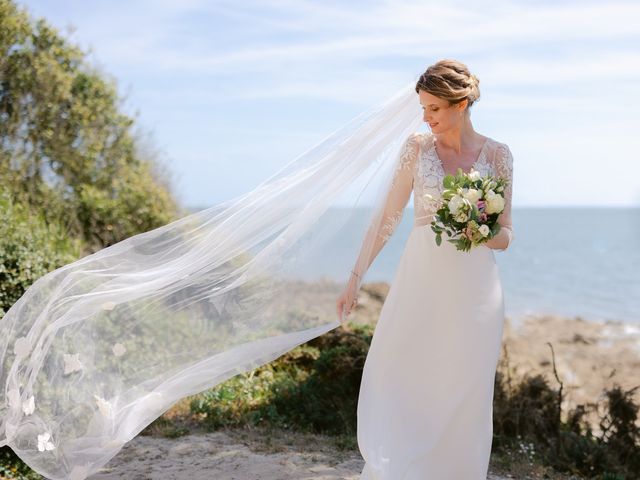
<point x="415" y="136"/>
<point x="421" y="137"/>
<point x="414" y="141"/>
<point x="500" y="155"/>
<point x="496" y="145"/>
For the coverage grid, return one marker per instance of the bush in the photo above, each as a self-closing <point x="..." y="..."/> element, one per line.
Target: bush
<point x="313" y="387"/>
<point x="529" y="412"/>
<point x="30" y="246"/>
<point x="133" y="204"/>
<point x="326" y="401"/>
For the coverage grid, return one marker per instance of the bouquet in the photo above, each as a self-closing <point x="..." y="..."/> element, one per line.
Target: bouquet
<point x="469" y="209"/>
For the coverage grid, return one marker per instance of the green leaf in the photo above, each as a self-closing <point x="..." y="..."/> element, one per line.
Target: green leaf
<point x="449" y="181"/>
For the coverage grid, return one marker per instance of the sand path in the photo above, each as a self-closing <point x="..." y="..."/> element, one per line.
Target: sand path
<point x="228" y="455"/>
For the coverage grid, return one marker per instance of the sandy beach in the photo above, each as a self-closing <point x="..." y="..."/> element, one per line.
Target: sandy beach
<point x="231" y="455"/>
<point x="236" y="455"/>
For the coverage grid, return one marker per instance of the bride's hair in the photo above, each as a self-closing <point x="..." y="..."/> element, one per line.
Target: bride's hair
<point x="450" y="80"/>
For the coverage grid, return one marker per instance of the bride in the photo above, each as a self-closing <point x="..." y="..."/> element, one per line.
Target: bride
<point x="425" y="403"/>
<point x="96" y="350"/>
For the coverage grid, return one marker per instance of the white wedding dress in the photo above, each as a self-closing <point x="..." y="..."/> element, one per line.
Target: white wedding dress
<point x="425" y="404"/>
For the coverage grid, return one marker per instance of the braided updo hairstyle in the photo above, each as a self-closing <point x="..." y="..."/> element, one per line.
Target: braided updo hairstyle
<point x="450" y="80"/>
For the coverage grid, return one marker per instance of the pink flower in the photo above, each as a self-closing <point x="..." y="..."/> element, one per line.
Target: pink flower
<point x="481" y="204"/>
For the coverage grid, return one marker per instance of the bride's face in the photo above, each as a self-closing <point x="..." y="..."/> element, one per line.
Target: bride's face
<point x="438" y="114"/>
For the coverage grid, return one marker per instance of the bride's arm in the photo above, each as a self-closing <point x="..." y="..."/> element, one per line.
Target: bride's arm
<point x="397" y="198"/>
<point x="504" y="168"/>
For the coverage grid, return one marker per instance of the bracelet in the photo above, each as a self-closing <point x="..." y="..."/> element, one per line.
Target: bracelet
<point x="355" y="274"/>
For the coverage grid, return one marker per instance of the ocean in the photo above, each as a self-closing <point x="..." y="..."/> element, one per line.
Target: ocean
<point x="576" y="262"/>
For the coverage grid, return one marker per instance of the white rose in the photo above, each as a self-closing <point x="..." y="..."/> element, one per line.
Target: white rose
<point x="484" y="230"/>
<point x="461" y="216"/>
<point x="474" y="175"/>
<point x="495" y="204"/>
<point x="455" y="203"/>
<point x="473" y="195"/>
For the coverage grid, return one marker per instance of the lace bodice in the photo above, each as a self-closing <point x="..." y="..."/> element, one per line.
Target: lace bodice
<point x="429" y="174"/>
<point x="420" y="170"/>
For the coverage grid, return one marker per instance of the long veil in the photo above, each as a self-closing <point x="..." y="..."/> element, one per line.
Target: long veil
<point x="96" y="350"/>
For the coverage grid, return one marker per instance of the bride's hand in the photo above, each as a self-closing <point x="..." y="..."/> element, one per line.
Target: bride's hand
<point x="347" y="300"/>
<point x="491" y="243"/>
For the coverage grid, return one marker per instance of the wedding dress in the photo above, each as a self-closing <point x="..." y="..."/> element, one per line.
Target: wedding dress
<point x="425" y="404"/>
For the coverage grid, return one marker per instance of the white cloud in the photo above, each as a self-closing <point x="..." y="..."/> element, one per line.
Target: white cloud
<point x="192" y="62"/>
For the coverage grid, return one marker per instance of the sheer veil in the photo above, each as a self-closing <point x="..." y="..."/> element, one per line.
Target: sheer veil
<point x="96" y="350"/>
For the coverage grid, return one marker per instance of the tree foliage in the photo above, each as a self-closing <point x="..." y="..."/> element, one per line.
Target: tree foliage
<point x="65" y="146"/>
<point x="30" y="246"/>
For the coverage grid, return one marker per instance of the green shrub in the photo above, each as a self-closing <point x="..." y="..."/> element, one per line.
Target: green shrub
<point x="313" y="387"/>
<point x="11" y="467"/>
<point x="326" y="401"/>
<point x="132" y="204"/>
<point x="527" y="412"/>
<point x="30" y="246"/>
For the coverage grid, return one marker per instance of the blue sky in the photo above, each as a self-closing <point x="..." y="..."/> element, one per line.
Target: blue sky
<point x="230" y="91"/>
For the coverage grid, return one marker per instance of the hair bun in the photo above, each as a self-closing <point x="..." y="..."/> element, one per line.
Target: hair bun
<point x="450" y="80"/>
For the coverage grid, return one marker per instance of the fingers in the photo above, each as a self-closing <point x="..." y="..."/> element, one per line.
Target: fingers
<point x="352" y="306"/>
<point x="341" y="306"/>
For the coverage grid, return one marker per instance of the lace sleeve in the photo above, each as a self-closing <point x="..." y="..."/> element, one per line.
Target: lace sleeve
<point x="401" y="187"/>
<point x="504" y="168"/>
<point x="397" y="197"/>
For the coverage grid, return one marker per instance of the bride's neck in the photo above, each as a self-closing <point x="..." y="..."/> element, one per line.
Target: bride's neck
<point x="459" y="139"/>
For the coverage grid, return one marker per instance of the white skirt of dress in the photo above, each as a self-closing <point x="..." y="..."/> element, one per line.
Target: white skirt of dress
<point x="425" y="408"/>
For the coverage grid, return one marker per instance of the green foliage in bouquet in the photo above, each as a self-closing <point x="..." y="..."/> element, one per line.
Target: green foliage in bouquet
<point x="469" y="200"/>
